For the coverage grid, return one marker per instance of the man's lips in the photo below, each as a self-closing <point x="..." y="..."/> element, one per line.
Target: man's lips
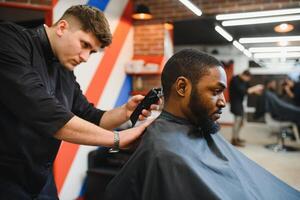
<point x="217" y="114"/>
<point x="74" y="62"/>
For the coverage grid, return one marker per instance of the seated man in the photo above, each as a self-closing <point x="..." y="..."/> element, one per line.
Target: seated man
<point x="182" y="156"/>
<point x="280" y="110"/>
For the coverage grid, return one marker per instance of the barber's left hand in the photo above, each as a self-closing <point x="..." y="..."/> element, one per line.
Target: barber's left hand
<point x="133" y="103"/>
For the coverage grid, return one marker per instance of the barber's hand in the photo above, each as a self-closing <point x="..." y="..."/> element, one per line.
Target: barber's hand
<point x="257" y="89"/>
<point x="133" y="103"/>
<point x="128" y="137"/>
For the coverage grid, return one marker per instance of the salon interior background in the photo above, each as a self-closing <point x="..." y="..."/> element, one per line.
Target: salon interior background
<point x="103" y="78"/>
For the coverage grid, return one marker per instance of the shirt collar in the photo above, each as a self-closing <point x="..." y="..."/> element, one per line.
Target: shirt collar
<point x="44" y="40"/>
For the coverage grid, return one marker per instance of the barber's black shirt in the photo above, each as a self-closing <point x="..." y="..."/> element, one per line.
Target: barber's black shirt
<point x="237" y="91"/>
<point x="38" y="96"/>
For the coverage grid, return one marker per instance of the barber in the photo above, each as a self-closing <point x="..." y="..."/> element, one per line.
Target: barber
<point x="41" y="103"/>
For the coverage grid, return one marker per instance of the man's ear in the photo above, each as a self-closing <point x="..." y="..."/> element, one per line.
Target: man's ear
<point x="61" y="27"/>
<point x="182" y="85"/>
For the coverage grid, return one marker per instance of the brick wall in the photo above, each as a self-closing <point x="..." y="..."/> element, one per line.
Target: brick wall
<point x="165" y="10"/>
<point x="33" y="2"/>
<point x="149" y="39"/>
<point x="148" y="35"/>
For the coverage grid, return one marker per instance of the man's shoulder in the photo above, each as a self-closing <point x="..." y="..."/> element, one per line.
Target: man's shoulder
<point x="235" y="79"/>
<point x="11" y="27"/>
<point x="163" y="140"/>
<point x="11" y="33"/>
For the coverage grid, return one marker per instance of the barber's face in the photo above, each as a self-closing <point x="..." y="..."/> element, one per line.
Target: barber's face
<point x="207" y="99"/>
<point x="74" y="46"/>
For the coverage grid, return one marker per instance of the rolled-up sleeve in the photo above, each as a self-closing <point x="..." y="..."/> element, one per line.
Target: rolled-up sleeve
<point x="84" y="109"/>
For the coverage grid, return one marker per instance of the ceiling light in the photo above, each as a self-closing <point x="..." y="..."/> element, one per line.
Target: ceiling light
<point x="277" y="55"/>
<point x="262" y="20"/>
<point x="238" y="45"/>
<point x="283" y="28"/>
<point x="247" y="53"/>
<point x="283" y="43"/>
<point x="192" y="7"/>
<point x="269" y="39"/>
<point x="258" y="14"/>
<point x="222" y="32"/>
<point x="273" y="49"/>
<point x="142" y="12"/>
<point x="168" y="26"/>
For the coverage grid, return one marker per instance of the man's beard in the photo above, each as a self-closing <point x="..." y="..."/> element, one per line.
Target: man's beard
<point x="200" y="113"/>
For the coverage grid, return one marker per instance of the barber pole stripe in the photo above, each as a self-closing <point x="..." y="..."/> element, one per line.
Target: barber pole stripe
<point x="106" y="84"/>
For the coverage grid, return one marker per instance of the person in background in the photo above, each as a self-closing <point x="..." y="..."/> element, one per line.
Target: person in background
<point x="41" y="103"/>
<point x="238" y="88"/>
<point x="292" y="91"/>
<point x="182" y="155"/>
<point x="260" y="105"/>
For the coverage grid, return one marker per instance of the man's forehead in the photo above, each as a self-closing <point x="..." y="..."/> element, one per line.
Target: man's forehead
<point x="216" y="75"/>
<point x="91" y="39"/>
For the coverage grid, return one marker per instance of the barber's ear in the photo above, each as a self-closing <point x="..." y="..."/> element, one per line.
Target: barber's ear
<point x="182" y="85"/>
<point x="62" y="25"/>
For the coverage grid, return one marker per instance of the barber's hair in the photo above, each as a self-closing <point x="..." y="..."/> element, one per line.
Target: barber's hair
<point x="246" y="73"/>
<point x="91" y="20"/>
<point x="189" y="63"/>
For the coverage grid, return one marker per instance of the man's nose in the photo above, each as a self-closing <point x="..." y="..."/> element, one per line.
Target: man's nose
<point x="221" y="101"/>
<point x="84" y="56"/>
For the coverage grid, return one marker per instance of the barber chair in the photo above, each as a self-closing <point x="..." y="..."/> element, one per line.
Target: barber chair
<point x="281" y="128"/>
<point x="102" y="167"/>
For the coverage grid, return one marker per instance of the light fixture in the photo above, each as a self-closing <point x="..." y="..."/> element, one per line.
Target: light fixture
<point x="261" y="20"/>
<point x="283" y="43"/>
<point x="283" y="28"/>
<point x="192" y="7"/>
<point x="273" y="49"/>
<point x="238" y="45"/>
<point x="269" y="39"/>
<point x="247" y="53"/>
<point x="258" y="14"/>
<point x="224" y="33"/>
<point x="142" y="12"/>
<point x="277" y="55"/>
<point x="168" y="25"/>
<point x="242" y="48"/>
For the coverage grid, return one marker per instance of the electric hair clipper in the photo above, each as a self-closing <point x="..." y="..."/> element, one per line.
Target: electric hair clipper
<point x="151" y="98"/>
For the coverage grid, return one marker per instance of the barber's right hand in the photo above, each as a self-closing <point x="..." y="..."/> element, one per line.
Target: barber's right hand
<point x="130" y="136"/>
<point x="257" y="89"/>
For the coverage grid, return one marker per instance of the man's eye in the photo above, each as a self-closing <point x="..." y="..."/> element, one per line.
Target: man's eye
<point x="92" y="52"/>
<point x="84" y="45"/>
<point x="217" y="91"/>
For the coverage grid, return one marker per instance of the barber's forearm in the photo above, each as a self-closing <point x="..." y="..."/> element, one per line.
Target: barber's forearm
<point x="79" y="131"/>
<point x="289" y="92"/>
<point x="250" y="90"/>
<point x="114" y="118"/>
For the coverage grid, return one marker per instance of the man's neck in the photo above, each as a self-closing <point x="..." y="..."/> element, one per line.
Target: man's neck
<point x="174" y="109"/>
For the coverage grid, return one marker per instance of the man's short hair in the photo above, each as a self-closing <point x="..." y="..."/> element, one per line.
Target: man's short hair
<point x="247" y="73"/>
<point x="91" y="20"/>
<point x="189" y="63"/>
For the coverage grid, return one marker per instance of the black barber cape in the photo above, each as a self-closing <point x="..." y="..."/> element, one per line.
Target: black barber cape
<point x="173" y="164"/>
<point x="279" y="109"/>
<point x="38" y="96"/>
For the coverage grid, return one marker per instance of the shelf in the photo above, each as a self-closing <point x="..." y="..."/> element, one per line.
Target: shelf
<point x="143" y="73"/>
<point x="142" y="92"/>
